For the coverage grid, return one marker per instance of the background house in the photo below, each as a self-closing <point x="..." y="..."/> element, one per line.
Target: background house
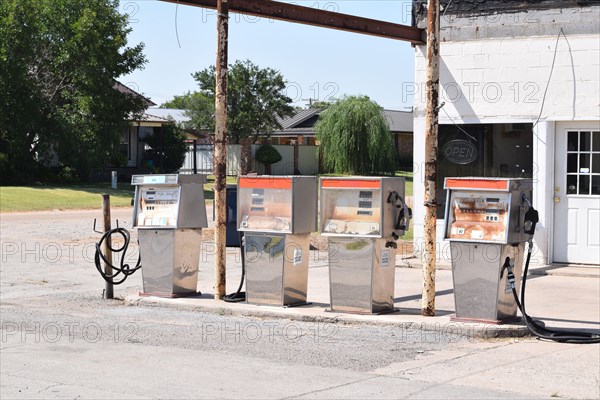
<point x="132" y="142"/>
<point x="521" y="81"/>
<point x="301" y="126"/>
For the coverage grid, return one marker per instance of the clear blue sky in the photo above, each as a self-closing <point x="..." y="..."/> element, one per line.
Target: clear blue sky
<point x="317" y="62"/>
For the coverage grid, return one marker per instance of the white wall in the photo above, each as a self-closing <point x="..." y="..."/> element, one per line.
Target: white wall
<point x="307" y="160"/>
<point x="503" y="80"/>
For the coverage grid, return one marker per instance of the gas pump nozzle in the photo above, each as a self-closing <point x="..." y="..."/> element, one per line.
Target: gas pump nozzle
<point x="404" y="213"/>
<point x="532" y="217"/>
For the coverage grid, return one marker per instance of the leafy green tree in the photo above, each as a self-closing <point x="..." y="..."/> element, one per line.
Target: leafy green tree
<point x="355" y="138"/>
<point x="167" y="149"/>
<point x="183" y="102"/>
<point x="58" y="63"/>
<point x="319" y="105"/>
<point x="267" y="155"/>
<point x="200" y="109"/>
<point x="256" y="98"/>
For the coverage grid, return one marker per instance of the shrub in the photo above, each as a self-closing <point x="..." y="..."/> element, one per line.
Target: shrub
<point x="68" y="175"/>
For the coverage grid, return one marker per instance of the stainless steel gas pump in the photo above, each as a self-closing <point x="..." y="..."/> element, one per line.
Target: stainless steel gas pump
<point x="277" y="215"/>
<point x="362" y="217"/>
<point x="484" y="224"/>
<point x="169" y="212"/>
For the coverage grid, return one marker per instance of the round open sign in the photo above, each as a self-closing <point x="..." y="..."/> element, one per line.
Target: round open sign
<point x="460" y="151"/>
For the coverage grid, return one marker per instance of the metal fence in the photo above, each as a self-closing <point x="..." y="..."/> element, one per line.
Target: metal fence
<point x="308" y="161"/>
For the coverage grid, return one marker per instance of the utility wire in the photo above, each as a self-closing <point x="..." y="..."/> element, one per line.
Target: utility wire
<point x="176" y="30"/>
<point x="561" y="32"/>
<point x="458" y="126"/>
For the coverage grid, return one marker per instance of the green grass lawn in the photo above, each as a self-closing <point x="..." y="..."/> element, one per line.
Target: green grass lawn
<point x="408" y="176"/>
<point x="85" y="196"/>
<point x="209" y="194"/>
<point x="62" y="197"/>
<point x="50" y="197"/>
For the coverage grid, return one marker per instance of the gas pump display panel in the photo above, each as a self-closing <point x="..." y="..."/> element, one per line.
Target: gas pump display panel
<point x="365" y="207"/>
<point x="478" y="216"/>
<point x="265" y="205"/>
<point x="277" y="204"/>
<point x="158" y="206"/>
<point x="489" y="210"/>
<point x="352" y="211"/>
<point x="169" y="202"/>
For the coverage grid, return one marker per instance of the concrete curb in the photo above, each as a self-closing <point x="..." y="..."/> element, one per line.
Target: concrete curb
<point x="553" y="270"/>
<point x="412" y="324"/>
<point x="568" y="270"/>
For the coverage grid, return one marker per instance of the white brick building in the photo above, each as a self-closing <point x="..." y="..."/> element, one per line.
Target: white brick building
<point x="496" y="62"/>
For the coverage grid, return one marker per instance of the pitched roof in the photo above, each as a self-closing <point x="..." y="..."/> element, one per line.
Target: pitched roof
<point x="146" y="117"/>
<point x="400" y="121"/>
<point x="175" y="114"/>
<point x="299" y="117"/>
<point x="304" y="121"/>
<point x="126" y="89"/>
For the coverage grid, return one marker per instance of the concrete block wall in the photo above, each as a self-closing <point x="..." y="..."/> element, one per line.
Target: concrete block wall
<point x="506" y="78"/>
<point x="501" y="77"/>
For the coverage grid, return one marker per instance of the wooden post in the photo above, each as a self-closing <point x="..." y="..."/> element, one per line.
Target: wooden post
<point x="296" y="156"/>
<point x="245" y="155"/>
<point x="195" y="158"/>
<point x="431" y="147"/>
<point x="108" y="291"/>
<point x="220" y="155"/>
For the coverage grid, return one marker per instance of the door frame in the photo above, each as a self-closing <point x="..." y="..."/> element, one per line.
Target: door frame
<point x="563" y="127"/>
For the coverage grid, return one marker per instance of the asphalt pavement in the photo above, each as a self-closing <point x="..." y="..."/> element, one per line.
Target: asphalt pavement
<point x="60" y="339"/>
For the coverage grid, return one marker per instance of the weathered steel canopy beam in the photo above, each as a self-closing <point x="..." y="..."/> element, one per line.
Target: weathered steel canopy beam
<point x="312" y="16"/>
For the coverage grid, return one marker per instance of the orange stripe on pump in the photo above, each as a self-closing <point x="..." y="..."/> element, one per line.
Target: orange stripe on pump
<point x="265" y="183"/>
<point x="476" y="184"/>
<point x="351" y="183"/>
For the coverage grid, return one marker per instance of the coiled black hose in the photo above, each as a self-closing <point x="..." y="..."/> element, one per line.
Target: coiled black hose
<point x="564" y="336"/>
<point x="123" y="268"/>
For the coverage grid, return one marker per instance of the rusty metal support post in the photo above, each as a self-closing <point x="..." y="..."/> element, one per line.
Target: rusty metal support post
<point x="108" y="290"/>
<point x="220" y="154"/>
<point x="431" y="147"/>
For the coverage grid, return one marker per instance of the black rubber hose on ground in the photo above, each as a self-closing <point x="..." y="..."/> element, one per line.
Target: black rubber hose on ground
<point x="564" y="336"/>
<point x="239" y="296"/>
<point x="123" y="268"/>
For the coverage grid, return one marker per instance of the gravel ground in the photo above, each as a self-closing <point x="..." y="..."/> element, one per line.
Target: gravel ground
<point x="57" y="332"/>
<point x="350" y="347"/>
<point x="48" y="279"/>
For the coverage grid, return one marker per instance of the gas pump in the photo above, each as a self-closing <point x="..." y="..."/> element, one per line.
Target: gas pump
<point x="277" y="215"/>
<point x="488" y="221"/>
<point x="169" y="212"/>
<point x="485" y="226"/>
<point x="362" y="217"/>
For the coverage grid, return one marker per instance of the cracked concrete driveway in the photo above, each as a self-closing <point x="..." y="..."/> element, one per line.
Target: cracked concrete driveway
<point x="59" y="339"/>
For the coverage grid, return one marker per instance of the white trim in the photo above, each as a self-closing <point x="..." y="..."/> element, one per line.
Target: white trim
<point x="563" y="127"/>
<point x="474" y="121"/>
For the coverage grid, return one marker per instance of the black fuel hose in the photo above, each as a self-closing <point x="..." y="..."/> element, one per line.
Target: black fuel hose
<point x="123" y="268"/>
<point x="564" y="336"/>
<point x="239" y="296"/>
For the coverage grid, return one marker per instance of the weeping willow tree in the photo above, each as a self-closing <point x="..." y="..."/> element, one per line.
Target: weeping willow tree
<point x="355" y="138"/>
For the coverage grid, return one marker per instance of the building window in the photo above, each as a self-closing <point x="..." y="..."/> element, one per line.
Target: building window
<point x="125" y="143"/>
<point x="483" y="150"/>
<point x="583" y="163"/>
